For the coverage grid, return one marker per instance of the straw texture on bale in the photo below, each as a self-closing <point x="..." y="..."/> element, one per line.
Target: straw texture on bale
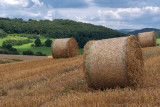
<point x="64" y="48"/>
<point x="147" y="39"/>
<point x="150" y="52"/>
<point x="109" y="63"/>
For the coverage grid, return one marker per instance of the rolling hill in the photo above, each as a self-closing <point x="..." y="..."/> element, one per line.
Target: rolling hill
<point x="125" y="30"/>
<point x="143" y="30"/>
<point x="59" y="28"/>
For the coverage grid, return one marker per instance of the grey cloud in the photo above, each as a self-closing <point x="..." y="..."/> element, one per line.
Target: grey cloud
<point x="117" y="18"/>
<point x="66" y="3"/>
<point x="126" y="3"/>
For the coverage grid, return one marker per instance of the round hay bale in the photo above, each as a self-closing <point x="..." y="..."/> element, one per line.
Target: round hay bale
<point x="64" y="48"/>
<point x="147" y="39"/>
<point x="109" y="63"/>
<point x="150" y="52"/>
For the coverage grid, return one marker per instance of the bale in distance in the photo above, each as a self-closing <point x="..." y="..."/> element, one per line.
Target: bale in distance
<point x="111" y="63"/>
<point x="64" y="48"/>
<point x="147" y="39"/>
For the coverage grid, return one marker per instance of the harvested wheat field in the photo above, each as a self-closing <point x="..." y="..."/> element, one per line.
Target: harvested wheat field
<point x="61" y="83"/>
<point x="21" y="57"/>
<point x="150" y="52"/>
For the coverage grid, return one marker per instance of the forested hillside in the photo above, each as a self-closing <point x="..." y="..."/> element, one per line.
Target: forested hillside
<point x="58" y="28"/>
<point x="158" y="34"/>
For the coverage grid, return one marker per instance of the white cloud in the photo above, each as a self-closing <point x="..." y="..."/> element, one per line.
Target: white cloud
<point x="37" y="2"/>
<point x="30" y="14"/>
<point x="12" y="2"/>
<point x="3" y="15"/>
<point x="118" y="24"/>
<point x="50" y="14"/>
<point x="23" y="3"/>
<point x="120" y="13"/>
<point x="116" y="18"/>
<point x="90" y="2"/>
<point x="127" y="13"/>
<point x="152" y="9"/>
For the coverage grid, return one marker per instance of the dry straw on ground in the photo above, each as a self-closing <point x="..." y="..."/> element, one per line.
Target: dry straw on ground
<point x="64" y="48"/>
<point x="113" y="62"/>
<point x="61" y="83"/>
<point x="147" y="39"/>
<point x="50" y="57"/>
<point x="150" y="52"/>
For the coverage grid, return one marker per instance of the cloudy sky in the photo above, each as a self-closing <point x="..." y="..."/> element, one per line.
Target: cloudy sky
<point x="115" y="14"/>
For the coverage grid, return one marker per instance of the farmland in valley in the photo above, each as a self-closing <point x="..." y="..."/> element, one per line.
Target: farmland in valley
<point x="26" y="47"/>
<point x="39" y="81"/>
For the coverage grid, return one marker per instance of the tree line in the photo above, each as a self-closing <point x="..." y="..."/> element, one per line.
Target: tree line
<point x="58" y="28"/>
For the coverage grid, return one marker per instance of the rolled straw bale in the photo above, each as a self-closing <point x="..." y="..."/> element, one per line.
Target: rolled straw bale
<point x="147" y="39"/>
<point x="150" y="52"/>
<point x="64" y="48"/>
<point x="109" y="63"/>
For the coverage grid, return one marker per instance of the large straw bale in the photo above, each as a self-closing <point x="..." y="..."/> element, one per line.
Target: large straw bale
<point x="64" y="48"/>
<point x="109" y="63"/>
<point x="147" y="39"/>
<point x="149" y="52"/>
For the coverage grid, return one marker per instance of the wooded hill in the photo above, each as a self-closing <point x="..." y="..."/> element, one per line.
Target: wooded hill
<point x="59" y="28"/>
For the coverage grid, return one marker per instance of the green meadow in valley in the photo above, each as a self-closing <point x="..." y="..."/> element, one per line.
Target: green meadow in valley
<point x="25" y="47"/>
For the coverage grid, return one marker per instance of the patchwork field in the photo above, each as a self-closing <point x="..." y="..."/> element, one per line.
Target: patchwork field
<point x="158" y="41"/>
<point x="25" y="47"/>
<point x="11" y="38"/>
<point x="61" y="83"/>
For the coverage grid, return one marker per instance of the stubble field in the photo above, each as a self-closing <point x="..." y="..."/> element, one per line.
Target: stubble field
<point x="61" y="83"/>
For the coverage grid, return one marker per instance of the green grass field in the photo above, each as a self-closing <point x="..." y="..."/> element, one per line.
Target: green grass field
<point x="80" y="51"/>
<point x="45" y="50"/>
<point x="11" y="38"/>
<point x="25" y="47"/>
<point x="158" y="41"/>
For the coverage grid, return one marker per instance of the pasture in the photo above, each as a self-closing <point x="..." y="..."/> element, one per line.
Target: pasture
<point x="61" y="83"/>
<point x="158" y="41"/>
<point x="11" y="38"/>
<point x="25" y="47"/>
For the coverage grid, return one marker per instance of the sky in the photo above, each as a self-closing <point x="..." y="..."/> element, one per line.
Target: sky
<point x="115" y="14"/>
